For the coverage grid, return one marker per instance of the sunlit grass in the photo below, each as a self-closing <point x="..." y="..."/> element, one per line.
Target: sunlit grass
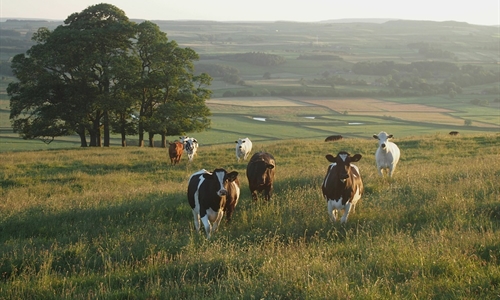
<point x="115" y="223"/>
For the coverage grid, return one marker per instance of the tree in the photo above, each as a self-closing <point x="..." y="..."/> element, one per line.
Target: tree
<point x="99" y="72"/>
<point x="74" y="67"/>
<point x="166" y="78"/>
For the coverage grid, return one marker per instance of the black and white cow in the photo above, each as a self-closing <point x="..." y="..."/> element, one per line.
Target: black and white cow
<point x="342" y="187"/>
<point x="207" y="193"/>
<point x="190" y="146"/>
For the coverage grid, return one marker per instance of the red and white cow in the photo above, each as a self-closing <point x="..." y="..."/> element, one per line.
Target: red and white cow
<point x="190" y="146"/>
<point x="243" y="148"/>
<point x="175" y="152"/>
<point x="207" y="195"/>
<point x="342" y="187"/>
<point x="387" y="154"/>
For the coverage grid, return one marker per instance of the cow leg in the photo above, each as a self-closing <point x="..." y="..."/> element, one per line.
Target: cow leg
<point x="332" y="211"/>
<point x="206" y="224"/>
<point x="220" y="216"/>
<point x="254" y="195"/>
<point x="268" y="193"/>
<point x="196" y="216"/>
<point x="346" y="212"/>
<point x="392" y="168"/>
<point x="380" y="171"/>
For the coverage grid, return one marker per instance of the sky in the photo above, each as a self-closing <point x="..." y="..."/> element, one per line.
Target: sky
<point x="479" y="12"/>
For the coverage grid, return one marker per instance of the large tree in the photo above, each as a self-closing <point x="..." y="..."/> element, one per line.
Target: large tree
<point x="99" y="72"/>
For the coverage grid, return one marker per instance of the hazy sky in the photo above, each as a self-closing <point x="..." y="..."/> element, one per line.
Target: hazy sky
<point x="481" y="12"/>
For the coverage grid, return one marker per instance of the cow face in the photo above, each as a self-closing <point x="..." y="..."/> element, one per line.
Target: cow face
<point x="343" y="163"/>
<point x="222" y="178"/>
<point x="260" y="172"/>
<point x="383" y="138"/>
<point x="190" y="144"/>
<point x="240" y="142"/>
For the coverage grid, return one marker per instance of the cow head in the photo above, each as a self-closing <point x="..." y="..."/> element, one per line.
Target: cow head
<point x="343" y="162"/>
<point x="240" y="142"/>
<point x="222" y="177"/>
<point x="260" y="171"/>
<point x="190" y="144"/>
<point x="383" y="138"/>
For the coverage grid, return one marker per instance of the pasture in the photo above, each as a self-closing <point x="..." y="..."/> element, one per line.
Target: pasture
<point x="114" y="223"/>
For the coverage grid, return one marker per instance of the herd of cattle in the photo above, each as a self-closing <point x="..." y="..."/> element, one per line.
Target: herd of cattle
<point x="213" y="194"/>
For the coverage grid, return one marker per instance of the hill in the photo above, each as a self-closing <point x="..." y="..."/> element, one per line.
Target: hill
<point x="115" y="223"/>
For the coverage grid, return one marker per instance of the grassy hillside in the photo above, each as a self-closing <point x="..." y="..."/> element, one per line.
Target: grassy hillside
<point x="114" y="223"/>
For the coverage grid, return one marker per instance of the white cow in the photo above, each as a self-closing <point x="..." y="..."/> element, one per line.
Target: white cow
<point x="190" y="146"/>
<point x="243" y="148"/>
<point x="387" y="154"/>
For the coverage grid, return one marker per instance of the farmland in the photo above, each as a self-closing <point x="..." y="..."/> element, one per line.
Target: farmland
<point x="321" y="95"/>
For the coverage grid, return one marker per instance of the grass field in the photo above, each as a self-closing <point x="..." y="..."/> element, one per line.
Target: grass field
<point x="114" y="223"/>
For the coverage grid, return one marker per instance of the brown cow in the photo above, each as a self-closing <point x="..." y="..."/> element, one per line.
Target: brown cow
<point x="453" y="132"/>
<point x="342" y="186"/>
<point x="333" y="138"/>
<point x="260" y="174"/>
<point x="175" y="152"/>
<point x="232" y="197"/>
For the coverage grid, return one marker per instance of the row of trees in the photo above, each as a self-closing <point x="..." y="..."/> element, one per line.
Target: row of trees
<point x="100" y="73"/>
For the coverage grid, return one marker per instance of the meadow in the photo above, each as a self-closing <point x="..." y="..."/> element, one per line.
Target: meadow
<point x="114" y="223"/>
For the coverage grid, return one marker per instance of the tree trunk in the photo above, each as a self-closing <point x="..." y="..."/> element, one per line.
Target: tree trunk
<point x="81" y="133"/>
<point x="151" y="139"/>
<point x="164" y="140"/>
<point x="106" y="128"/>
<point x="141" y="134"/>
<point x="124" y="140"/>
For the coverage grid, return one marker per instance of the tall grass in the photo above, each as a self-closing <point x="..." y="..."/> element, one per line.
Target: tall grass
<point x="115" y="224"/>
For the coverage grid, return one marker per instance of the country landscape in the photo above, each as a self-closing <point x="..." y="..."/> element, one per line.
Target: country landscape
<point x="114" y="222"/>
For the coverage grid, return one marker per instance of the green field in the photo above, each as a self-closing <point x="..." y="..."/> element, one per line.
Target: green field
<point x="114" y="223"/>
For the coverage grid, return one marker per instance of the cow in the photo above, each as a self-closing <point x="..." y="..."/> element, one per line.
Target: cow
<point x="232" y="197"/>
<point x="453" y="132"/>
<point x="190" y="146"/>
<point x="175" y="152"/>
<point x="387" y="154"/>
<point x="333" y="138"/>
<point x="243" y="148"/>
<point x="260" y="174"/>
<point x="207" y="195"/>
<point x="342" y="187"/>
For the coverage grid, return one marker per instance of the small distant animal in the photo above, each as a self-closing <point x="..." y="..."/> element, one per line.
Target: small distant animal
<point x="207" y="195"/>
<point x="333" y="138"/>
<point x="387" y="154"/>
<point x="243" y="148"/>
<point x="190" y="146"/>
<point x="260" y="174"/>
<point x="175" y="152"/>
<point x="342" y="186"/>
<point x="453" y="132"/>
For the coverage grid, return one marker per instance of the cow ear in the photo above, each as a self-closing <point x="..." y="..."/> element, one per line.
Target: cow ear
<point x="390" y="136"/>
<point x="330" y="158"/>
<point x="194" y="140"/>
<point x="232" y="176"/>
<point x="236" y="142"/>
<point x="270" y="166"/>
<point x="356" y="157"/>
<point x="375" y="136"/>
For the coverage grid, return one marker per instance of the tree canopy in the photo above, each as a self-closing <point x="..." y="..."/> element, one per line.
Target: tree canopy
<point x="100" y="73"/>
